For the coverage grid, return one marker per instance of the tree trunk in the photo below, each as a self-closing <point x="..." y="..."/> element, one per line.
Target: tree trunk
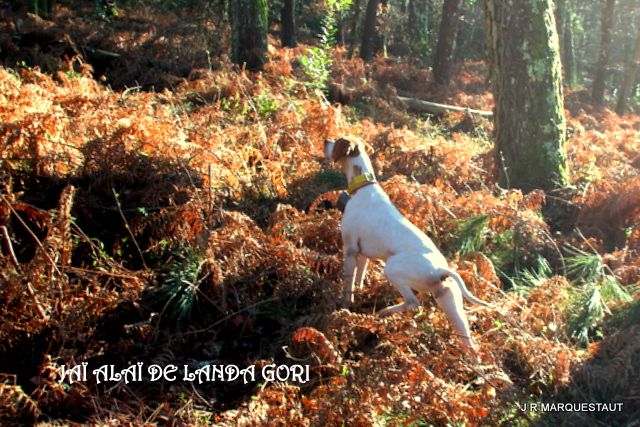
<point x="560" y="22"/>
<point x="353" y="34"/>
<point x="529" y="122"/>
<point x="443" y="59"/>
<point x="380" y="37"/>
<point x="603" y="55"/>
<point x="568" y="54"/>
<point x="565" y="27"/>
<point x="630" y="73"/>
<point x="249" y="21"/>
<point x="288" y="24"/>
<point x="341" y="33"/>
<point x="367" y="49"/>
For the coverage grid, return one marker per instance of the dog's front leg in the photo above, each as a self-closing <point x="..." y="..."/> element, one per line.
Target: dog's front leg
<point x="350" y="264"/>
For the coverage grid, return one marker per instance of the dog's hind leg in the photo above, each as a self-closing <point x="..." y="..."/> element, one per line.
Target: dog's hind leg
<point x="449" y="299"/>
<point x="361" y="270"/>
<point x="396" y="272"/>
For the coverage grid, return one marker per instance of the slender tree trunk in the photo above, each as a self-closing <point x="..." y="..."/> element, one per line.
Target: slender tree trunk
<point x="341" y="28"/>
<point x="443" y="59"/>
<point x="380" y="44"/>
<point x="603" y="54"/>
<point x="568" y="54"/>
<point x="560" y="22"/>
<point x="565" y="27"/>
<point x="249" y="21"/>
<point x="529" y="122"/>
<point x="288" y="25"/>
<point x="367" y="49"/>
<point x="630" y="74"/>
<point x="353" y="34"/>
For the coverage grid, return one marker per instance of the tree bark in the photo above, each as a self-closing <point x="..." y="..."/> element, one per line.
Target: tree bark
<point x="249" y="21"/>
<point x="630" y="74"/>
<point x="603" y="54"/>
<point x="367" y="49"/>
<point x="288" y="24"/>
<point x="443" y="59"/>
<point x="529" y="122"/>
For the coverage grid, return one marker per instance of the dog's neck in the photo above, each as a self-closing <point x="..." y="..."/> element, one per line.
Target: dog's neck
<point x="359" y="174"/>
<point x="357" y="166"/>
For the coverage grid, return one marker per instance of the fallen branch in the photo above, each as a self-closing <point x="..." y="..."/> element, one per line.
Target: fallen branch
<point x="341" y="93"/>
<point x="95" y="52"/>
<point x="420" y="106"/>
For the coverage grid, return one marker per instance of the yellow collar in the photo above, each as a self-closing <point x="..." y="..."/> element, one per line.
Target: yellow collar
<point x="360" y="181"/>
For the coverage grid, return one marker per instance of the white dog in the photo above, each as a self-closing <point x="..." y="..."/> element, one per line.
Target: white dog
<point x="372" y="227"/>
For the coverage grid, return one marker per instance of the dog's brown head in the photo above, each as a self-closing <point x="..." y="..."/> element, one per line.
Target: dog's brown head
<point x="340" y="149"/>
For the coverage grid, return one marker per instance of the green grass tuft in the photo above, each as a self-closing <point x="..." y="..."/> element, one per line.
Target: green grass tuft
<point x="583" y="266"/>
<point x="471" y="234"/>
<point x="527" y="279"/>
<point x="596" y="288"/>
<point x="178" y="293"/>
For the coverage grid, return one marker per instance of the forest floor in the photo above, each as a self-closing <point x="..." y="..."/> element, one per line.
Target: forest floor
<point x="159" y="206"/>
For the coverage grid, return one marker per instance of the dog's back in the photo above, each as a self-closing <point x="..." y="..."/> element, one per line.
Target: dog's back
<point x="380" y="230"/>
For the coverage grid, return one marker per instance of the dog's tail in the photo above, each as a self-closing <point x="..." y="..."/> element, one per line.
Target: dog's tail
<point x="446" y="272"/>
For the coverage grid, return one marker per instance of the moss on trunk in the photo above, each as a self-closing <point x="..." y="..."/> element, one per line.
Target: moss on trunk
<point x="527" y="84"/>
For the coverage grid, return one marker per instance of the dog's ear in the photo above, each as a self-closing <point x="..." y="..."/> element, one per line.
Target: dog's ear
<point x="345" y="148"/>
